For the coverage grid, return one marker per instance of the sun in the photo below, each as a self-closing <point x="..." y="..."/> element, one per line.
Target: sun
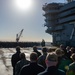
<point x="24" y="4"/>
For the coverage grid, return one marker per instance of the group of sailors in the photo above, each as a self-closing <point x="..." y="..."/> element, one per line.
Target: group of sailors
<point x="60" y="61"/>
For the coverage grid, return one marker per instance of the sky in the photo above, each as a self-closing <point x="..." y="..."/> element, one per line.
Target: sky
<point x="15" y="16"/>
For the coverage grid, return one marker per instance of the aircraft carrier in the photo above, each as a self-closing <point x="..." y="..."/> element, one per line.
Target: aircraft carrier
<point x="60" y="22"/>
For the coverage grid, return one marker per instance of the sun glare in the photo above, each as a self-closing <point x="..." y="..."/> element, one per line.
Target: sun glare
<point x="24" y="4"/>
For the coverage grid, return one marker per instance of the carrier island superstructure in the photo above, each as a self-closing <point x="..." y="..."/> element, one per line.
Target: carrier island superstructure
<point x="60" y="22"/>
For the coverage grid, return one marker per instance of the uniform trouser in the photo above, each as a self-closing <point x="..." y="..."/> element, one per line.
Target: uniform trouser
<point x="13" y="71"/>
